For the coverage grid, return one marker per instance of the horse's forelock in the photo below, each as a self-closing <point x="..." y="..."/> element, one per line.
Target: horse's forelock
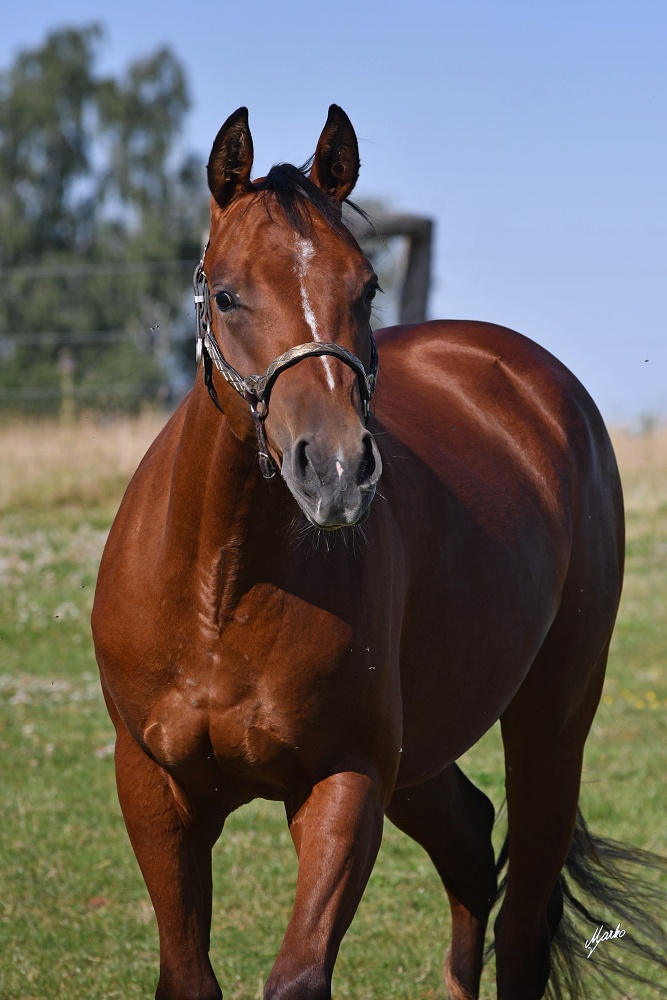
<point x="296" y="194"/>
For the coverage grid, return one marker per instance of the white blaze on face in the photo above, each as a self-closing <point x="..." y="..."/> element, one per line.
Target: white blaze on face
<point x="305" y="251"/>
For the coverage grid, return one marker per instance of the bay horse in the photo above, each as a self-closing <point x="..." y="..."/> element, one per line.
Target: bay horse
<point x="431" y="540"/>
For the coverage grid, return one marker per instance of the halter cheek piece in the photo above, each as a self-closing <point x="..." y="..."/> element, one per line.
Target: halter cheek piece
<point x="256" y="389"/>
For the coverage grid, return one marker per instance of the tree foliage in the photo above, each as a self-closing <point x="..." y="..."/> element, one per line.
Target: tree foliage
<point x="96" y="207"/>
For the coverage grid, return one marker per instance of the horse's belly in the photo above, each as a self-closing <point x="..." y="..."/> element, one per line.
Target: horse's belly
<point x="465" y="655"/>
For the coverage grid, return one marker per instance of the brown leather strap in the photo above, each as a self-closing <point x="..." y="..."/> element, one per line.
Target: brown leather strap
<point x="256" y="389"/>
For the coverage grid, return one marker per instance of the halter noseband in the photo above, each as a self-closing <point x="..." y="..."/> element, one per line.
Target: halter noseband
<point x="256" y="389"/>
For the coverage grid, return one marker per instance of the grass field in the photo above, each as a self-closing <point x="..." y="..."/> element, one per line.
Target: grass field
<point x="75" y="920"/>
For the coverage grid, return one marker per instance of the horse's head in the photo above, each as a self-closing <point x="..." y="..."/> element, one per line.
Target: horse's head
<point x="283" y="273"/>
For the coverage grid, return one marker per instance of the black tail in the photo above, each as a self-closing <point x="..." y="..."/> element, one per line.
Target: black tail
<point x="602" y="886"/>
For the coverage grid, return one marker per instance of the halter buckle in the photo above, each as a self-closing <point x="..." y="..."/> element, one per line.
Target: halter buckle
<point x="260" y="409"/>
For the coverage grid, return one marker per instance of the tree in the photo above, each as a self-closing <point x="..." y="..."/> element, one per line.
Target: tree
<point x="96" y="210"/>
<point x="44" y="148"/>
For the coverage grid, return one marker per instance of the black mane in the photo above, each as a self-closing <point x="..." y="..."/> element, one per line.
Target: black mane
<point x="296" y="194"/>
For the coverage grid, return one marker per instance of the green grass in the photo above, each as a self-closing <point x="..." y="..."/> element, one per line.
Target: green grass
<point x="75" y="920"/>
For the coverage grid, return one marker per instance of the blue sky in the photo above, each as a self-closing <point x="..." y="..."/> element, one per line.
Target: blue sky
<point x="534" y="133"/>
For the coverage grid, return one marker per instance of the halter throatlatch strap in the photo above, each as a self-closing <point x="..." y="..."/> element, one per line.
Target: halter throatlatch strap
<point x="256" y="389"/>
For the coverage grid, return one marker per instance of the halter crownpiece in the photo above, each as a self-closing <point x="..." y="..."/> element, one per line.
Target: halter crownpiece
<point x="256" y="389"/>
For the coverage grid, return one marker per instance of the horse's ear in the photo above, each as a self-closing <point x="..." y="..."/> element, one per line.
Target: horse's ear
<point x="230" y="162"/>
<point x="336" y="165"/>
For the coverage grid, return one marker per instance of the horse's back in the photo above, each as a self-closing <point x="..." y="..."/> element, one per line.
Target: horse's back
<point x="492" y="414"/>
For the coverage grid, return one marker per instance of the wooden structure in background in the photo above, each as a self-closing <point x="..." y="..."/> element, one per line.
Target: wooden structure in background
<point x="418" y="230"/>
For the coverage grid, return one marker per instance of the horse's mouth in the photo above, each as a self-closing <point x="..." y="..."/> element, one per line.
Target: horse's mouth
<point x="339" y="527"/>
<point x="328" y="517"/>
<point x="333" y="485"/>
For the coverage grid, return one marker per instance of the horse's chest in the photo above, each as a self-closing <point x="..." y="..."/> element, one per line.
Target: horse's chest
<point x="272" y="692"/>
<point x="262" y="733"/>
<point x="227" y="722"/>
<point x="266" y="696"/>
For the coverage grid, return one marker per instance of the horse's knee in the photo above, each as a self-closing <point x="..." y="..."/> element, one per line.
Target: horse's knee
<point x="310" y="983"/>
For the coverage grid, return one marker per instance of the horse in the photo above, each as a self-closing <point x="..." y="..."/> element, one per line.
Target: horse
<point x="326" y="582"/>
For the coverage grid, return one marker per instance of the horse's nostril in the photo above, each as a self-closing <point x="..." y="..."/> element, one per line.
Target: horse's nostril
<point x="369" y="469"/>
<point x="304" y="469"/>
<point x="367" y="464"/>
<point x="300" y="457"/>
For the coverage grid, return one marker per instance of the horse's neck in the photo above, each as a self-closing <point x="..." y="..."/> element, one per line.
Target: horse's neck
<point x="213" y="485"/>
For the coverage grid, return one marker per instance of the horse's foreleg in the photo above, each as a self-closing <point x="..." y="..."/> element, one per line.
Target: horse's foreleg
<point x="337" y="833"/>
<point x="452" y="820"/>
<point x="173" y="849"/>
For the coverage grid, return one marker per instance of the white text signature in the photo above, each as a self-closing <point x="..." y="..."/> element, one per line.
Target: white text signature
<point x="601" y="935"/>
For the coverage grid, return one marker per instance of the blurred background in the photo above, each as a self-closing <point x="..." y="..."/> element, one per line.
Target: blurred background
<point x="533" y="135"/>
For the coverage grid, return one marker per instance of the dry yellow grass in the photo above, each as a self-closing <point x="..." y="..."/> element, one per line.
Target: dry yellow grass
<point x="642" y="459"/>
<point x="46" y="465"/>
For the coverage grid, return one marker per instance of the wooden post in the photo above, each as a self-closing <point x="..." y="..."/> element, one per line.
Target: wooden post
<point x="66" y="369"/>
<point x="413" y="299"/>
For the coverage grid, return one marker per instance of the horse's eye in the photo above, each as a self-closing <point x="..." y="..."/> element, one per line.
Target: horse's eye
<point x="371" y="293"/>
<point x="224" y="301"/>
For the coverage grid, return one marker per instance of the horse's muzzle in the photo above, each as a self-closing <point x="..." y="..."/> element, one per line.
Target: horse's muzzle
<point x="333" y="487"/>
